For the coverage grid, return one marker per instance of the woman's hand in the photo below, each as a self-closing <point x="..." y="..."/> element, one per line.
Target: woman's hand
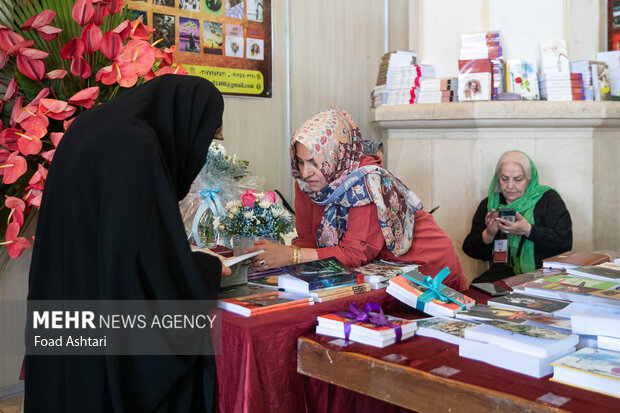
<point x="225" y="270"/>
<point x="492" y="226"/>
<point x="275" y="255"/>
<point x="519" y="227"/>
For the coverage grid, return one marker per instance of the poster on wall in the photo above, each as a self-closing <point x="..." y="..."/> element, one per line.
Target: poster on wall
<point x="227" y="42"/>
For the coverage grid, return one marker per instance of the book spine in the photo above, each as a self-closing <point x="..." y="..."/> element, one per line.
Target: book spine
<point x="348" y="290"/>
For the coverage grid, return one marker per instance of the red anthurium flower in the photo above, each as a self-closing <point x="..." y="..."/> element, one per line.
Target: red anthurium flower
<point x="56" y="109"/>
<point x="39" y="20"/>
<point x="115" y="5"/>
<point x="14" y="167"/>
<point x="29" y="67"/>
<point x="91" y="36"/>
<point x="150" y="75"/>
<point x="175" y="70"/>
<point x="17" y="207"/>
<point x="4" y="154"/>
<point x="33" y="198"/>
<point x="38" y="179"/>
<point x="4" y="57"/>
<point x="8" y="139"/>
<point x="82" y="12"/>
<point x="165" y="55"/>
<point x="56" y="74"/>
<point x="56" y="137"/>
<point x="11" y="90"/>
<point x="111" y="45"/>
<point x="140" y="31"/>
<point x="47" y="155"/>
<point x="85" y="98"/>
<point x="122" y="72"/>
<point x="28" y="145"/>
<point x="48" y="33"/>
<point x="140" y="54"/>
<point x="123" y="29"/>
<point x="80" y="67"/>
<point x="66" y="123"/>
<point x="74" y="47"/>
<point x="101" y="11"/>
<point x="33" y="53"/>
<point x="17" y="110"/>
<point x="11" y="41"/>
<point x="15" y="245"/>
<point x="36" y="124"/>
<point x="45" y="92"/>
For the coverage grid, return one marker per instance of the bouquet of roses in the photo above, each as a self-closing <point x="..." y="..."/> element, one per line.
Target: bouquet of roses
<point x="55" y="64"/>
<point x="254" y="215"/>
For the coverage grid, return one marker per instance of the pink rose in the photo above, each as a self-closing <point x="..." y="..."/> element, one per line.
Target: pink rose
<point x="248" y="198"/>
<point x="270" y="196"/>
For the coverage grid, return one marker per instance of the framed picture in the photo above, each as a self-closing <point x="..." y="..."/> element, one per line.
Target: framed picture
<point x="613" y="24"/>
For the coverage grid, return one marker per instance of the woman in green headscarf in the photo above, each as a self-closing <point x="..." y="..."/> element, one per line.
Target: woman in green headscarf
<point x="540" y="226"/>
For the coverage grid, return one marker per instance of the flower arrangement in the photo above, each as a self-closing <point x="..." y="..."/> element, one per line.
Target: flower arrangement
<point x="219" y="161"/>
<point x="55" y="64"/>
<point x="254" y="215"/>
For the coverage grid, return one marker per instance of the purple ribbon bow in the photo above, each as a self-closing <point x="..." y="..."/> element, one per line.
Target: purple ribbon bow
<point x="372" y="314"/>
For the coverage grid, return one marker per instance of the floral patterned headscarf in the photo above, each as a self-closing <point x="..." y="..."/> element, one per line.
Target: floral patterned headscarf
<point x="335" y="142"/>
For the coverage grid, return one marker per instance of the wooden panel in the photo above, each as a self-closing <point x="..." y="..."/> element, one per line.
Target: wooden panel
<point x="402" y="385"/>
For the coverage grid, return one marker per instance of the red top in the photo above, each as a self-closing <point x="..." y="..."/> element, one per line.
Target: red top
<point x="363" y="241"/>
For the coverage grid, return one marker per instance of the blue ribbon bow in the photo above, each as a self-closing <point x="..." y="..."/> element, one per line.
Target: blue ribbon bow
<point x="372" y="314"/>
<point x="209" y="200"/>
<point x="434" y="287"/>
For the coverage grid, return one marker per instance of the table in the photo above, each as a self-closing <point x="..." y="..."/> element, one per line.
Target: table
<point x="259" y="370"/>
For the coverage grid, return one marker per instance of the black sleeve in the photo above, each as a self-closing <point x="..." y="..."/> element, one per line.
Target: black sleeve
<point x="473" y="245"/>
<point x="552" y="231"/>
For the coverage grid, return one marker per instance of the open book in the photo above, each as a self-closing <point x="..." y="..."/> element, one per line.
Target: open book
<point x="229" y="262"/>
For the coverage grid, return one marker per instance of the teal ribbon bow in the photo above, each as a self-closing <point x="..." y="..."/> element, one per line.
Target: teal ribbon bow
<point x="209" y="200"/>
<point x="434" y="287"/>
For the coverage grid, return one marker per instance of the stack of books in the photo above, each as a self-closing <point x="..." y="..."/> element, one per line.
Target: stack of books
<point x="475" y="80"/>
<point x="613" y="64"/>
<point x="524" y="349"/>
<point x="606" y="271"/>
<point x="484" y="46"/>
<point x="522" y="78"/>
<point x="481" y="313"/>
<point x="409" y="293"/>
<point x="562" y="86"/>
<point x="389" y="62"/>
<point x="403" y="82"/>
<point x="437" y="90"/>
<point x="323" y="280"/>
<point x="595" y="77"/>
<point x="366" y="333"/>
<point x="592" y="369"/>
<point x="574" y="259"/>
<point x="378" y="273"/>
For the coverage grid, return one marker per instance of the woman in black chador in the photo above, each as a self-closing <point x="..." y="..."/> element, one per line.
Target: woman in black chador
<point x="110" y="229"/>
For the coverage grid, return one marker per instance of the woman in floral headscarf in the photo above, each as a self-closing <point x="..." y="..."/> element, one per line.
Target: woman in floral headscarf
<point x="347" y="206"/>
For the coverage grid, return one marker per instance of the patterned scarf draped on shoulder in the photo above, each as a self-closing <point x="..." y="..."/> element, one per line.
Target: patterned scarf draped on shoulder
<point x="335" y="142"/>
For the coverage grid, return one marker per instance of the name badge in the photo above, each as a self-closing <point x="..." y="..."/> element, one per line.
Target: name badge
<point x="500" y="250"/>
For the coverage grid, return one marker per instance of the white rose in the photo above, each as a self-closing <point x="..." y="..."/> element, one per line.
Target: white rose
<point x="249" y="214"/>
<point x="264" y="204"/>
<point x="277" y="212"/>
<point x="234" y="210"/>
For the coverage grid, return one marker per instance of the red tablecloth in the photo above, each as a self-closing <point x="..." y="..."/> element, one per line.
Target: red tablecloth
<point x="257" y="371"/>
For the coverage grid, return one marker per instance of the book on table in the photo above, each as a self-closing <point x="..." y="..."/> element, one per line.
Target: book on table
<point x="333" y="293"/>
<point x="487" y="314"/>
<point x="608" y="343"/>
<point x="573" y="259"/>
<point x="516" y="281"/>
<point x="365" y="333"/>
<point x="242" y="290"/>
<point x="520" y="338"/>
<point x="267" y="280"/>
<point x="315" y="275"/>
<point x="567" y="287"/>
<point x="596" y="272"/>
<point x="508" y="359"/>
<point x="408" y="292"/>
<point x="445" y="329"/>
<point x="380" y="271"/>
<point x="592" y="369"/>
<point x="528" y="303"/>
<point x="597" y="320"/>
<point x="257" y="304"/>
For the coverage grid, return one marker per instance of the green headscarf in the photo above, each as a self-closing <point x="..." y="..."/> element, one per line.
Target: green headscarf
<point x="524" y="206"/>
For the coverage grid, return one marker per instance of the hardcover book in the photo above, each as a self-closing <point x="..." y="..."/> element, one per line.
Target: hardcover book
<point x="592" y="369"/>
<point x="445" y="329"/>
<point x="315" y="275"/>
<point x="409" y="292"/>
<point x="529" y="303"/>
<point x="572" y="259"/>
<point x="263" y="303"/>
